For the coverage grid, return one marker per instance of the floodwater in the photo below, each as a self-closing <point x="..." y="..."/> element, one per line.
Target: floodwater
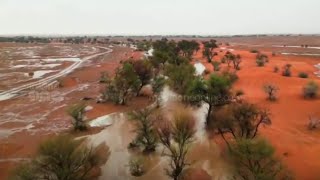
<point x="204" y="153"/>
<point x="200" y="68"/>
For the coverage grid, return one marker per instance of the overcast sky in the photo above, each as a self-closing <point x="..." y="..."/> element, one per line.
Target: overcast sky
<point x="139" y="17"/>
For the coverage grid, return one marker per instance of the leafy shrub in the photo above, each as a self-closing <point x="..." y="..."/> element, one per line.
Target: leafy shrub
<point x="310" y="90"/>
<point x="271" y="91"/>
<point x="260" y="62"/>
<point x="254" y="51"/>
<point x="286" y="70"/>
<point x="77" y="113"/>
<point x="303" y="75"/>
<point x="136" y="167"/>
<point x="59" y="158"/>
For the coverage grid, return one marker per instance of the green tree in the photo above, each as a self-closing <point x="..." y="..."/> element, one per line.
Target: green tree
<point x="144" y="71"/>
<point x="254" y="160"/>
<point x="215" y="92"/>
<point x="208" y="51"/>
<point x="241" y="120"/>
<point x="310" y="90"/>
<point x="146" y="133"/>
<point x="157" y="87"/>
<point x="187" y="48"/>
<point x="180" y="76"/>
<point x="125" y="83"/>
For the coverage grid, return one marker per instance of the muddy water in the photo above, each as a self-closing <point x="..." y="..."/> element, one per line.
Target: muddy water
<point x="204" y="153"/>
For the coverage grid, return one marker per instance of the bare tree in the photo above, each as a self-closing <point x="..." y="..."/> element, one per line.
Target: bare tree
<point x="176" y="137"/>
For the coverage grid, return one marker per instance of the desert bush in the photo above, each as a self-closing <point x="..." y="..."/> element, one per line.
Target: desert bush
<point x="287" y="70"/>
<point x="274" y="54"/>
<point x="271" y="91"/>
<point x="303" y="75"/>
<point x="254" y="51"/>
<point x="310" y="90"/>
<point x="260" y="62"/>
<point x="275" y="69"/>
<point x="124" y="85"/>
<point x="157" y="85"/>
<point x="136" y="166"/>
<point x="188" y="48"/>
<point x="232" y="76"/>
<point x="176" y="137"/>
<point x="77" y="113"/>
<point x="216" y="66"/>
<point x="255" y="159"/>
<point x="60" y="158"/>
<point x="144" y="129"/>
<point x="240" y="120"/>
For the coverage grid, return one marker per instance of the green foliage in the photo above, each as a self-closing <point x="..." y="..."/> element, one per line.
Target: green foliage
<point x="310" y="90"/>
<point x="303" y="75"/>
<point x="157" y="86"/>
<point x="234" y="59"/>
<point x="77" y="113"/>
<point x="241" y="120"/>
<point x="254" y="160"/>
<point x="136" y="167"/>
<point x="187" y="48"/>
<point x="146" y="134"/>
<point x="261" y="59"/>
<point x="180" y="76"/>
<point x="159" y="58"/>
<point x="208" y="52"/>
<point x="125" y="83"/>
<point x="231" y="76"/>
<point x="143" y="45"/>
<point x="144" y="71"/>
<point x="215" y="92"/>
<point x="60" y="158"/>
